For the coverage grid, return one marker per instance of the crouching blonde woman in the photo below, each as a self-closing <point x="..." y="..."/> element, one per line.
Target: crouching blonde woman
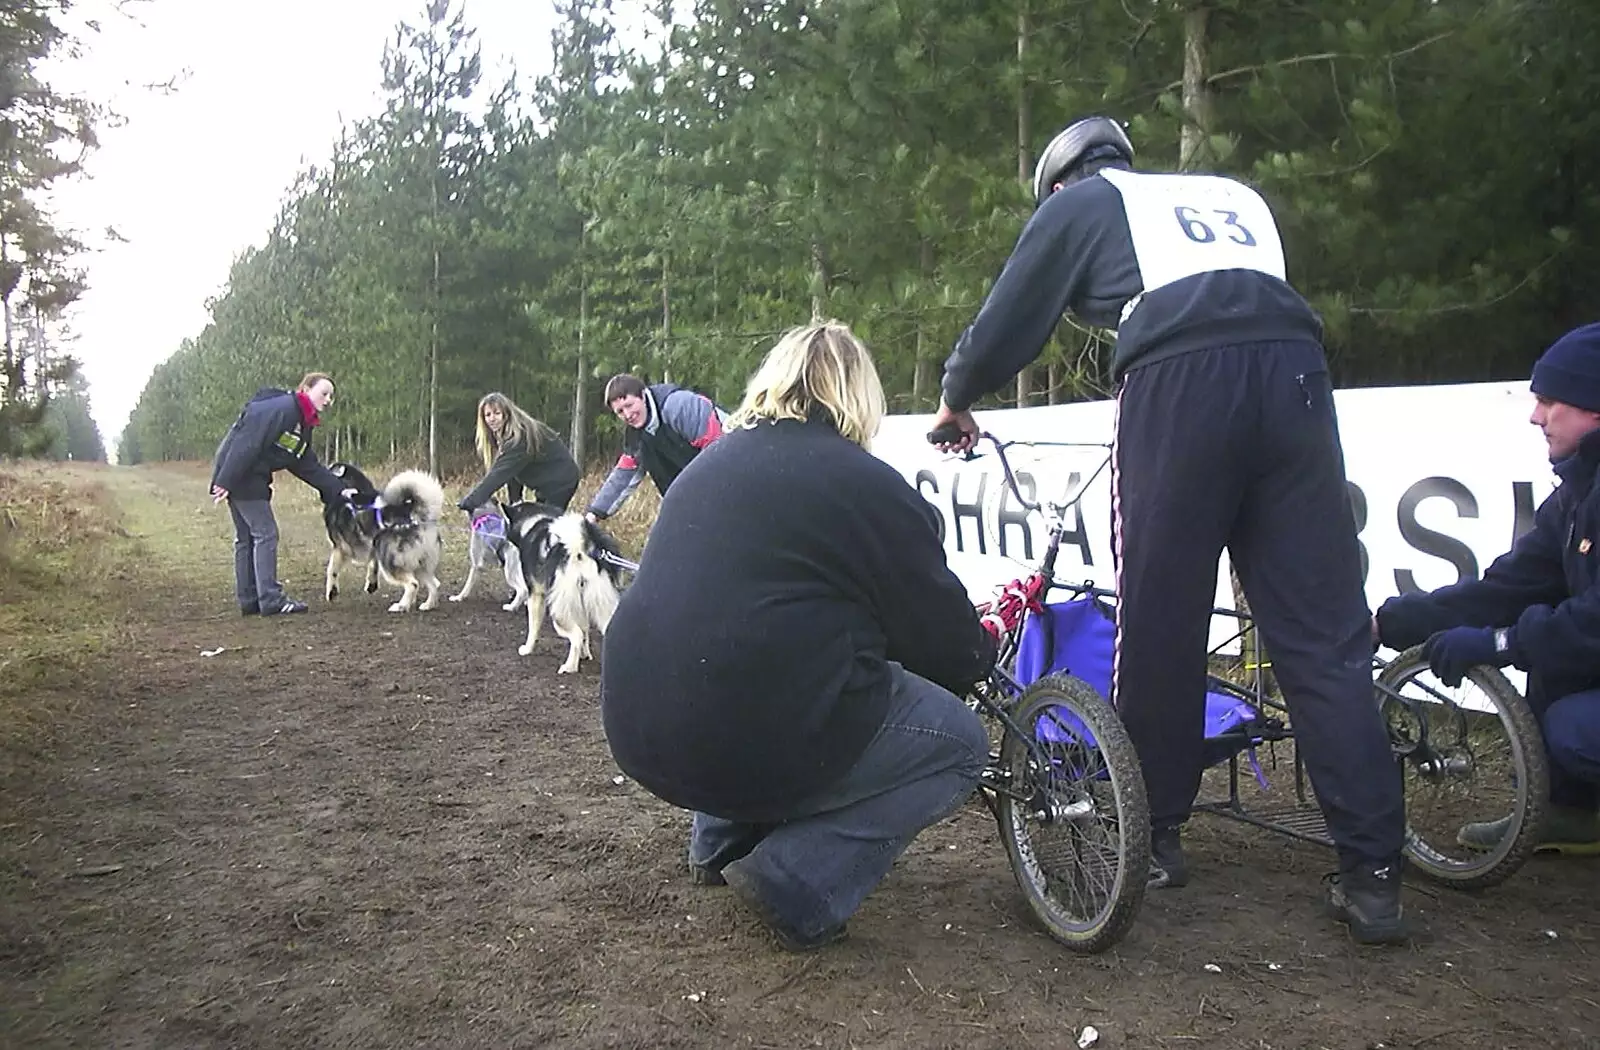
<point x="519" y="452"/>
<point x="787" y="661"/>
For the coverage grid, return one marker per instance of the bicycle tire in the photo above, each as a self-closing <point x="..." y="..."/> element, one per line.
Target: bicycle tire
<point x="1531" y="775"/>
<point x="1118" y="776"/>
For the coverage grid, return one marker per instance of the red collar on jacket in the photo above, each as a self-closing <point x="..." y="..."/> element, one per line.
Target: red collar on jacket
<point x="308" y="411"/>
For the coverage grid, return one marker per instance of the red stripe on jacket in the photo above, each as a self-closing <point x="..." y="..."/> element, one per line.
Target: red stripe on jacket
<point x="713" y="431"/>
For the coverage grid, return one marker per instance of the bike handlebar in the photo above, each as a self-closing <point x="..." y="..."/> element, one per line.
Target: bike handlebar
<point x="949" y="433"/>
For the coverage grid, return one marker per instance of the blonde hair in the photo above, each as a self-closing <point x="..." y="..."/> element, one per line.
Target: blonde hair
<point x="817" y="368"/>
<point x="311" y="379"/>
<point x="518" y="427"/>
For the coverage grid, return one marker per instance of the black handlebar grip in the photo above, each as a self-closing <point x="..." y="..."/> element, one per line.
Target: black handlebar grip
<point x="948" y="433"/>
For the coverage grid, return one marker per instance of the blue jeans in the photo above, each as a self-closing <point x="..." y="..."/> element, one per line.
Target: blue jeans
<point x="1571" y="725"/>
<point x="255" y="555"/>
<point x="813" y="870"/>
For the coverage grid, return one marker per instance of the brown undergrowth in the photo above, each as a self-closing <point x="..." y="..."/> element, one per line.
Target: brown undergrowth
<point x="60" y="538"/>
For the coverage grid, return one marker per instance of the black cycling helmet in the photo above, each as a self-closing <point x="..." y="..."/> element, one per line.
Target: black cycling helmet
<point x="1091" y="138"/>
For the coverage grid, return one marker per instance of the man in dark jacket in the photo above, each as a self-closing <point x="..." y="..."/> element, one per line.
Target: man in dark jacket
<point x="1537" y="607"/>
<point x="1226" y="438"/>
<point x="272" y="433"/>
<point x="667" y="428"/>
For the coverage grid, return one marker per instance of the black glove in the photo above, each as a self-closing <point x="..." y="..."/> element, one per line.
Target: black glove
<point x="991" y="652"/>
<point x="1454" y="652"/>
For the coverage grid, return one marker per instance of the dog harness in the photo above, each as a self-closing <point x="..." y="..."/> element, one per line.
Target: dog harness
<point x="491" y="525"/>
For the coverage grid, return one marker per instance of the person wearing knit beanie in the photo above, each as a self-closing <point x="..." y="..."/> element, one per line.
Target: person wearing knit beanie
<point x="1537" y="607"/>
<point x="1566" y="382"/>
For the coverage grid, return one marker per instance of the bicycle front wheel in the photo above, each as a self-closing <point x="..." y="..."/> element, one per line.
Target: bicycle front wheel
<point x="1075" y="822"/>
<point x="1473" y="761"/>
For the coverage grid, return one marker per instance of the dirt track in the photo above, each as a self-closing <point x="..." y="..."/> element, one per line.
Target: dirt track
<point x="353" y="829"/>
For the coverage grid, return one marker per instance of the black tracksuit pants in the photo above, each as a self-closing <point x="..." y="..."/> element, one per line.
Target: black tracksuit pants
<point x="1238" y="447"/>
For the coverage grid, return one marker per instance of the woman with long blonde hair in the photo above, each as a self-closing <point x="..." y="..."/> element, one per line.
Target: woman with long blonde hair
<point x="519" y="452"/>
<point x="788" y="659"/>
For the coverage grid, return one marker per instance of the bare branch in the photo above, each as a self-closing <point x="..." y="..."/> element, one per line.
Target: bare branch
<point x="1456" y="308"/>
<point x="170" y="85"/>
<point x="1300" y="60"/>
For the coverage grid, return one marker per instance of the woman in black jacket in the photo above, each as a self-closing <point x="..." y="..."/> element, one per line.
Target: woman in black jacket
<point x="272" y="433"/>
<point x="520" y="452"/>
<point x="788" y="659"/>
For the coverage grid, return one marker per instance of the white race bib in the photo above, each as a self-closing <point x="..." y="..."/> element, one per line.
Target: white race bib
<point x="1183" y="225"/>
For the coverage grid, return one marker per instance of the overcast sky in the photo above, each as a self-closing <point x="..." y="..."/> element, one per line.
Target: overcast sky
<point x="196" y="176"/>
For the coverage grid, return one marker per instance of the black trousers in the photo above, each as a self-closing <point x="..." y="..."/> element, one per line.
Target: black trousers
<point x="1238" y="447"/>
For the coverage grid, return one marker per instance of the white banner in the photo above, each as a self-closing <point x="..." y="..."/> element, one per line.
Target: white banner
<point x="1443" y="478"/>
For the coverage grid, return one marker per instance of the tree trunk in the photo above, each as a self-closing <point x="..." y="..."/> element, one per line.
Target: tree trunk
<point x="924" y="384"/>
<point x="666" y="310"/>
<point x="433" y="287"/>
<point x="579" y="416"/>
<point x="1194" y="148"/>
<point x="921" y="373"/>
<point x="41" y="355"/>
<point x="1024" y="162"/>
<point x="433" y="373"/>
<point x="1024" y="114"/>
<point x="665" y="353"/>
<point x="820" y="278"/>
<point x="12" y="374"/>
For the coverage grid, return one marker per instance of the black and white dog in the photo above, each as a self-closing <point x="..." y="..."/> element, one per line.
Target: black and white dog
<point x="352" y="526"/>
<point x="490" y="543"/>
<point x="566" y="565"/>
<point x="395" y="532"/>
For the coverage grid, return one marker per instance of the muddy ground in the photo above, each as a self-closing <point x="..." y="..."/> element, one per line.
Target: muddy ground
<point x="356" y="829"/>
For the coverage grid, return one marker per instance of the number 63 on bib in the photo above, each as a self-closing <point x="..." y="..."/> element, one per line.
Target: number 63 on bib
<point x="1183" y="225"/>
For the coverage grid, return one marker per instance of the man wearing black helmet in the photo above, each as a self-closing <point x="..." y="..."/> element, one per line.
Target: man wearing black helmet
<point x="1225" y="437"/>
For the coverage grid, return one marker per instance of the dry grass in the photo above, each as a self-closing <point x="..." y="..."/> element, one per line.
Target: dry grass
<point x="631" y="525"/>
<point x="59" y="531"/>
<point x="48" y="508"/>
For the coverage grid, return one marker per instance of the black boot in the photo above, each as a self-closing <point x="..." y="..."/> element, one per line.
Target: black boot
<point x="1367" y="899"/>
<point x="1168" y="869"/>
